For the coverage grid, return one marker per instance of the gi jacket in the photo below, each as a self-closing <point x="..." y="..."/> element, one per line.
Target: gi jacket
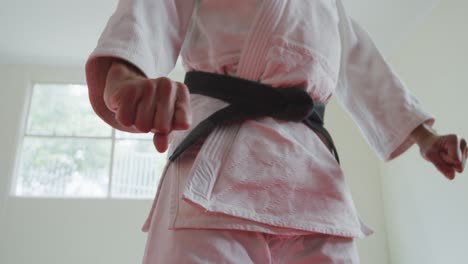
<point x="273" y="172"/>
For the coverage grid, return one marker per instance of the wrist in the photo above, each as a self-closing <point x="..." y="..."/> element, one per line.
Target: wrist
<point x="129" y="66"/>
<point x="422" y="133"/>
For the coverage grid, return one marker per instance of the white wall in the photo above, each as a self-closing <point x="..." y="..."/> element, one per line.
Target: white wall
<point x="361" y="167"/>
<point x="47" y="231"/>
<point x="427" y="215"/>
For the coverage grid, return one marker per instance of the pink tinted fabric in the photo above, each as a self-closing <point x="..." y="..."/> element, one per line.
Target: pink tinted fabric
<point x="223" y="242"/>
<point x="231" y="247"/>
<point x="265" y="171"/>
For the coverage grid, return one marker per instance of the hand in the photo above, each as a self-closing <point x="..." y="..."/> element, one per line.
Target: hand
<point x="447" y="152"/>
<point x="158" y="105"/>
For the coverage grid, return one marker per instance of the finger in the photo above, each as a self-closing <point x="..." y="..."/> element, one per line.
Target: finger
<point x="456" y="166"/>
<point x="446" y="169"/>
<point x="452" y="149"/>
<point x="464" y="151"/>
<point x="146" y="107"/>
<point x="165" y="97"/>
<point x="461" y="155"/>
<point x="459" y="148"/>
<point x="127" y="106"/>
<point x="160" y="141"/>
<point x="182" y="112"/>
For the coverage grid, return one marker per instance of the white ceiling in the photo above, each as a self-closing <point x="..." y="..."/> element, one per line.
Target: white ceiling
<point x="61" y="32"/>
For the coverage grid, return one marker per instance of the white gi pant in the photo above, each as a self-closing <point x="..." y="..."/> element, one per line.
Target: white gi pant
<point x="166" y="245"/>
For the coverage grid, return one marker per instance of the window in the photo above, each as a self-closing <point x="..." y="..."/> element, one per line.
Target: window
<point x="67" y="151"/>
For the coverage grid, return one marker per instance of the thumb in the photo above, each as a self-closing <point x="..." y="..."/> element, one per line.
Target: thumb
<point x="116" y="76"/>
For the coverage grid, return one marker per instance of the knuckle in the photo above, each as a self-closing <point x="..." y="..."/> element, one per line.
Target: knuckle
<point x="453" y="137"/>
<point x="162" y="129"/>
<point x="183" y="90"/>
<point x="143" y="126"/>
<point x="164" y="88"/>
<point x="127" y="92"/>
<point x="124" y="120"/>
<point x="164" y="79"/>
<point x="180" y="105"/>
<point x="116" y="70"/>
<point x="161" y="126"/>
<point x="164" y="82"/>
<point x="148" y="86"/>
<point x="182" y="87"/>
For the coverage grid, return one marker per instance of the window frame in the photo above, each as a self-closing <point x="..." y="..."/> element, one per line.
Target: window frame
<point x="23" y="134"/>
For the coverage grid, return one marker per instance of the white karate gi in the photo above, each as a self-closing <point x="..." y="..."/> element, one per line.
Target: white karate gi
<point x="264" y="175"/>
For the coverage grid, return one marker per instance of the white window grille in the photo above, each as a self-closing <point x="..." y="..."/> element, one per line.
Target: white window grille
<point x="67" y="151"/>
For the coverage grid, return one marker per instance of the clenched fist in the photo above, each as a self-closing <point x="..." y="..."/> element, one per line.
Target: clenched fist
<point x="157" y="105"/>
<point x="448" y="152"/>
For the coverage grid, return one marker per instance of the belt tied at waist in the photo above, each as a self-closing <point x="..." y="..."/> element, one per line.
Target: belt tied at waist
<point x="249" y="100"/>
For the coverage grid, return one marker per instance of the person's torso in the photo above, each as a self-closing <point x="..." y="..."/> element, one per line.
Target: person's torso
<point x="303" y="47"/>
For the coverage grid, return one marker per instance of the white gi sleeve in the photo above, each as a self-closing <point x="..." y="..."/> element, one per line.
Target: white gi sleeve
<point x="146" y="33"/>
<point x="383" y="108"/>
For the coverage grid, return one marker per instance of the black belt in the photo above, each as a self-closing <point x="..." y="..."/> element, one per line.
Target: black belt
<point x="248" y="100"/>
